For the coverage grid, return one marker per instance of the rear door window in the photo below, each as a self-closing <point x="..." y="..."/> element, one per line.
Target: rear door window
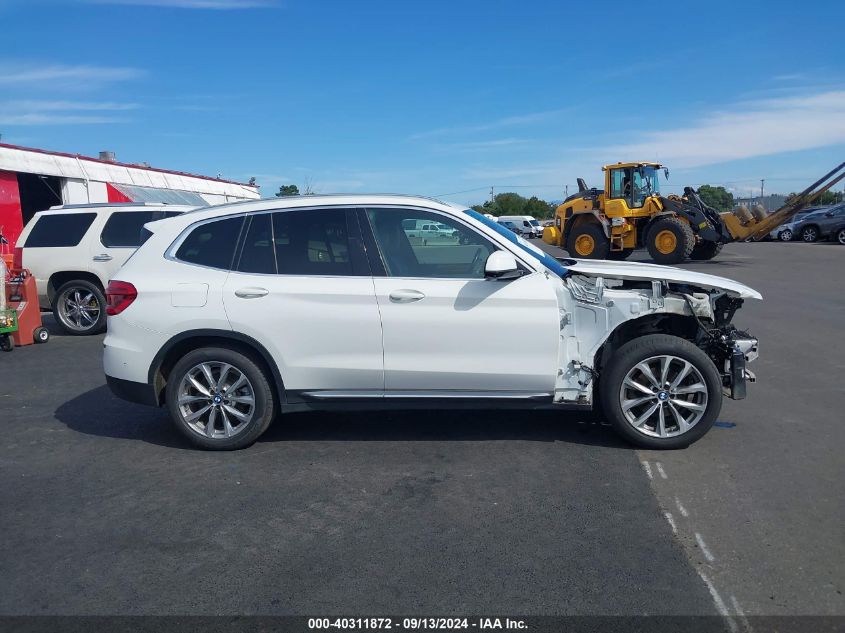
<point x="65" y="229"/>
<point x="212" y="244"/>
<point x="123" y="229"/>
<point x="312" y="242"/>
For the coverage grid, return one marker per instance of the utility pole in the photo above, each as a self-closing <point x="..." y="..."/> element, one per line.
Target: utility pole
<point x="492" y="196"/>
<point x="566" y="195"/>
<point x="762" y="182"/>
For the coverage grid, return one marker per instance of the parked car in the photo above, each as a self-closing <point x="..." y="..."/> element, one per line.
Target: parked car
<point x="513" y="228"/>
<point x="73" y="251"/>
<point x="233" y="314"/>
<point x="528" y="224"/>
<point x="821" y="224"/>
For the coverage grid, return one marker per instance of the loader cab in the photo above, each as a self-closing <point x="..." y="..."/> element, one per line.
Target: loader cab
<point x="628" y="186"/>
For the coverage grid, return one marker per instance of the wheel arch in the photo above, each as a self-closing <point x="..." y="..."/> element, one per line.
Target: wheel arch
<point x="58" y="279"/>
<point x="182" y="343"/>
<point x="682" y="326"/>
<point x="585" y="217"/>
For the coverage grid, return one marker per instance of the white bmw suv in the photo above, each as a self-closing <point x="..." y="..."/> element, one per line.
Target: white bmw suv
<point x="235" y="314"/>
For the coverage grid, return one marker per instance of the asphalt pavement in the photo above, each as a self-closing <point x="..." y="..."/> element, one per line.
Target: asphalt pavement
<point x="107" y="510"/>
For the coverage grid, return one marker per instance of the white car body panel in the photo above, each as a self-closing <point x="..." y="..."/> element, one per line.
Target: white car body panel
<point x="637" y="270"/>
<point x="456" y="337"/>
<point x="297" y="321"/>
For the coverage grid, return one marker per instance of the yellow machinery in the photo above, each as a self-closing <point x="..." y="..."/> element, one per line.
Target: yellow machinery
<point x="630" y="213"/>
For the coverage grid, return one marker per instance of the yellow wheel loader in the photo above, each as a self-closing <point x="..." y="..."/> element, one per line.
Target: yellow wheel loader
<point x="630" y="213"/>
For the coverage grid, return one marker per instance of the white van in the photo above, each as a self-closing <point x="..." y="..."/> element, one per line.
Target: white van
<point x="530" y="225"/>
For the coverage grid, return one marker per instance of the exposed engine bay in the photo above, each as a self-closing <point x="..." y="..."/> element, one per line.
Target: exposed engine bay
<point x="608" y="311"/>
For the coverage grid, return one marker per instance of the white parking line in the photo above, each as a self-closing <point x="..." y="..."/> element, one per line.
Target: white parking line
<point x="669" y="518"/>
<point x="741" y="614"/>
<point x="681" y="508"/>
<point x="661" y="471"/>
<point x="720" y="604"/>
<point x="647" y="469"/>
<point x="703" y="546"/>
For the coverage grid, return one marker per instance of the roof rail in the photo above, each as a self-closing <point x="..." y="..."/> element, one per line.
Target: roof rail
<point x="88" y="205"/>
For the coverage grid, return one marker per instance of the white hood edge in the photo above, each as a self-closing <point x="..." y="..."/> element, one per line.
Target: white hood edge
<point x="636" y="270"/>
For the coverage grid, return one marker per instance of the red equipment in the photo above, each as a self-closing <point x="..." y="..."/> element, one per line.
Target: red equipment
<point x="22" y="296"/>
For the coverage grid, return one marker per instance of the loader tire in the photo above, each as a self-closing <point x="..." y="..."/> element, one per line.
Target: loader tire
<point x="620" y="255"/>
<point x="706" y="250"/>
<point x="588" y="241"/>
<point x="670" y="240"/>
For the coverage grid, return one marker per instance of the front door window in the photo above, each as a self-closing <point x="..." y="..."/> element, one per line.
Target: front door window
<point x="416" y="243"/>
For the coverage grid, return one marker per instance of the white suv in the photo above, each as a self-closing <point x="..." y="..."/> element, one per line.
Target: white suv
<point x="233" y="314"/>
<point x="73" y="250"/>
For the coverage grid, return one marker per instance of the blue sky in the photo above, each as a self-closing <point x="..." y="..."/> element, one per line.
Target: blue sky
<point x="432" y="97"/>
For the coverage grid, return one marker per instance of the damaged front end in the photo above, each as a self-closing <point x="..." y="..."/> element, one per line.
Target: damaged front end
<point x="609" y="310"/>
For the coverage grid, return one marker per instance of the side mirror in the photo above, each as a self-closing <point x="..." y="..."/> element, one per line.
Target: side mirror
<point x="501" y="265"/>
<point x="829" y="214"/>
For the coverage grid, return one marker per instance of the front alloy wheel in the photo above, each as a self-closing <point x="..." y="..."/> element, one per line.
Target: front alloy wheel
<point x="840" y="236"/>
<point x="785" y="235"/>
<point x="660" y="391"/>
<point x="810" y="234"/>
<point x="663" y="396"/>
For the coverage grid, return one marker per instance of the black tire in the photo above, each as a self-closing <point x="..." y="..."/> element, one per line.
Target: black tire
<point x="706" y="250"/>
<point x="840" y="236"/>
<point x="620" y="255"/>
<point x="7" y="343"/>
<point x="41" y="335"/>
<point x="683" y="243"/>
<point x="98" y="302"/>
<point x="588" y="233"/>
<point x="810" y="234"/>
<point x="638" y="350"/>
<point x="263" y="394"/>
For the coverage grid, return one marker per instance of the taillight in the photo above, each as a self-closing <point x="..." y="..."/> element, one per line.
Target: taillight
<point x="119" y="296"/>
<point x="17" y="259"/>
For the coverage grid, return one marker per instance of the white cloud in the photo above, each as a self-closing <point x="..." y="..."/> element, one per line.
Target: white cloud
<point x="749" y="129"/>
<point x="28" y="73"/>
<point x="32" y="112"/>
<point x="195" y="4"/>
<point x="510" y="121"/>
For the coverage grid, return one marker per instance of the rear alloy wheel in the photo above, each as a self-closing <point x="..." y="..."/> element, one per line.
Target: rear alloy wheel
<point x="80" y="308"/>
<point x="219" y="398"/>
<point x="785" y="235"/>
<point x="670" y="240"/>
<point x="810" y="234"/>
<point x="840" y="236"/>
<point x="588" y="241"/>
<point x="661" y="391"/>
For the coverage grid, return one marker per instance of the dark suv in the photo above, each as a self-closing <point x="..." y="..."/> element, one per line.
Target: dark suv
<point x="821" y="225"/>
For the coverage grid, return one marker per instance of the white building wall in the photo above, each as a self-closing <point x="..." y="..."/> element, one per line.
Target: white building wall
<point x="74" y="191"/>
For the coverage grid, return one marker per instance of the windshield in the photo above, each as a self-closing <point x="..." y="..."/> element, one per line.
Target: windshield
<point x="534" y="222"/>
<point x="541" y="256"/>
<point x="645" y="184"/>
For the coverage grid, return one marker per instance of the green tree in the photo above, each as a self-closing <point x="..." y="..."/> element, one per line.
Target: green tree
<point x="510" y="203"/>
<point x="540" y="209"/>
<point x="717" y="197"/>
<point x="287" y="190"/>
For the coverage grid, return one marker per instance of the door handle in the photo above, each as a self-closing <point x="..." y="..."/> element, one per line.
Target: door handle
<point x="251" y="293"/>
<point x="406" y="296"/>
<point x="103" y="257"/>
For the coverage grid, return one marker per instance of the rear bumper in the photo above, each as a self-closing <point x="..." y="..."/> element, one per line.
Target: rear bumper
<point x="139" y="392"/>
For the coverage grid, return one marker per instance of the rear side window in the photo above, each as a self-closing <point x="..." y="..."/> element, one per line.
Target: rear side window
<point x="123" y="229"/>
<point x="65" y="229"/>
<point x="312" y="242"/>
<point x="212" y="244"/>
